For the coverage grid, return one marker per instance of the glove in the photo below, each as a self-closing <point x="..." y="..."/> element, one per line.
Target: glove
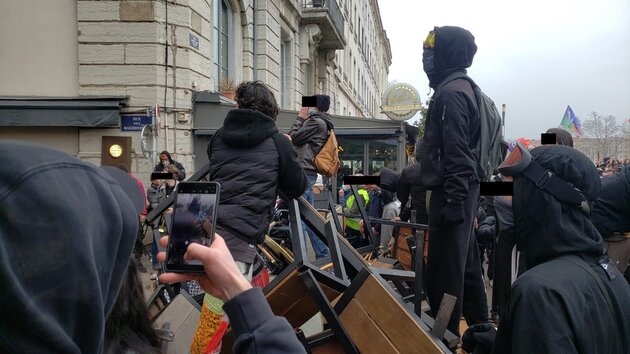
<point x="479" y="338"/>
<point x="452" y="212"/>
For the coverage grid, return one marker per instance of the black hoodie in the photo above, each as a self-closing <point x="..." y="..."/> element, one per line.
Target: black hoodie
<point x="557" y="306"/>
<point x="453" y="124"/>
<point x="66" y="234"/>
<point x="251" y="160"/>
<point x="611" y="212"/>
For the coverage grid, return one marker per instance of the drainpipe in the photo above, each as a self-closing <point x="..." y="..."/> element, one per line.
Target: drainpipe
<point x="166" y="74"/>
<point x="255" y="51"/>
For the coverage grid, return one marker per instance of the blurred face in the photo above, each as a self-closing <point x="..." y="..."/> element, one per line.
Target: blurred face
<point x="164" y="160"/>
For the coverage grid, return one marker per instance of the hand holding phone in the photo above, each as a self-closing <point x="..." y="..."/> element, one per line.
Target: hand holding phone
<point x="303" y="113"/>
<point x="222" y="277"/>
<point x="194" y="217"/>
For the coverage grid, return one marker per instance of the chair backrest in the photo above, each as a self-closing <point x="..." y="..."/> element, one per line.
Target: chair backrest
<point x="378" y="323"/>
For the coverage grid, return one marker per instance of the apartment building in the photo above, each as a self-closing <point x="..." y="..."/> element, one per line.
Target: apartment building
<point x="75" y="71"/>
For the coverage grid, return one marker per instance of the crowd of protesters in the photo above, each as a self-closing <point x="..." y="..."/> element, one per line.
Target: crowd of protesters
<point x="609" y="166"/>
<point x="70" y="284"/>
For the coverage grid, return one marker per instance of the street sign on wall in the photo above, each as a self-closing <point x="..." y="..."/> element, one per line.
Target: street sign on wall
<point x="134" y="123"/>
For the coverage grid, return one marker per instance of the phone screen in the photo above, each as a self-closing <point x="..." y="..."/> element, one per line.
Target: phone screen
<point x="194" y="216"/>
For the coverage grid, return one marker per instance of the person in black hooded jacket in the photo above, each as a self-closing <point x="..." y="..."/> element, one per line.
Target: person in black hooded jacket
<point x="167" y="164"/>
<point x="410" y="186"/>
<point x="252" y="161"/>
<point x="571" y="299"/>
<point x="449" y="171"/>
<point x="67" y="229"/>
<point x="611" y="216"/>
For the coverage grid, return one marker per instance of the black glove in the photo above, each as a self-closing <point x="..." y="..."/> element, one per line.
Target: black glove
<point x="479" y="338"/>
<point x="452" y="212"/>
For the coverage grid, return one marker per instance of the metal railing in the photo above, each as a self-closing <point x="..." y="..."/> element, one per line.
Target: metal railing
<point x="333" y="10"/>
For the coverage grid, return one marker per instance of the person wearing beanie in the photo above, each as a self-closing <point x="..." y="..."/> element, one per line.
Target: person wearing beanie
<point x="449" y="171"/>
<point x="309" y="133"/>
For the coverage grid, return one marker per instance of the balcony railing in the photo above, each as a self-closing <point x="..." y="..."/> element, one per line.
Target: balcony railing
<point x="333" y="11"/>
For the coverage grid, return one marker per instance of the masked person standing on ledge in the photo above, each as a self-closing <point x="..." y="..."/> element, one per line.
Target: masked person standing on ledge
<point x="449" y="171"/>
<point x="309" y="133"/>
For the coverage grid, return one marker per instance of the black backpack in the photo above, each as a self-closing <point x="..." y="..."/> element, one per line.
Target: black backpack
<point x="488" y="149"/>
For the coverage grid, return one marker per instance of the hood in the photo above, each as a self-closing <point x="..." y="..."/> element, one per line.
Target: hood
<point x="66" y="234"/>
<point x="611" y="210"/>
<point x="244" y="128"/>
<point x="389" y="179"/>
<point x="455" y="49"/>
<point x="544" y="227"/>
<point x="168" y="154"/>
<point x="325" y="117"/>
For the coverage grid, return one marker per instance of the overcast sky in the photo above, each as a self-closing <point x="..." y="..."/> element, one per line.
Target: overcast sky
<point x="535" y="56"/>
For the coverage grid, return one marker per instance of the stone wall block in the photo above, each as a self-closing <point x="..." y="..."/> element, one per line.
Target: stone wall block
<point x="101" y="54"/>
<point x="137" y="11"/>
<point x="195" y="21"/>
<point x="121" y="75"/>
<point x="98" y="10"/>
<point x="117" y="32"/>
<point x="144" y="54"/>
<point x="177" y="14"/>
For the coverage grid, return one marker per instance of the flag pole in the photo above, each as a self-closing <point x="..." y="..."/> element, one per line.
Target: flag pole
<point x="503" y="118"/>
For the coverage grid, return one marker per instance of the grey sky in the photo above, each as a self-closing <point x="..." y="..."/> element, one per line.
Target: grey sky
<point x="536" y="56"/>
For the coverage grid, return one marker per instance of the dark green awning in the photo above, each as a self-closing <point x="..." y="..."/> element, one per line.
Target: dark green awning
<point x="87" y="112"/>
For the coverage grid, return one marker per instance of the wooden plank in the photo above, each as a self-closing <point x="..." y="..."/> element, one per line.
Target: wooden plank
<point x="291" y="299"/>
<point x="365" y="334"/>
<point x="332" y="347"/>
<point x="397" y="324"/>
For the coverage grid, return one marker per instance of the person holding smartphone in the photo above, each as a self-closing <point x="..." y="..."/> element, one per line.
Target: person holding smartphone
<point x="255" y="327"/>
<point x="308" y="134"/>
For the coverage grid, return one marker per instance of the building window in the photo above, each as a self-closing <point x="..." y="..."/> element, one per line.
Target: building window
<point x="284" y="94"/>
<point x="222" y="33"/>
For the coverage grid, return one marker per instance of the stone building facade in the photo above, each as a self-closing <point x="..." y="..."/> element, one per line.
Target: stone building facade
<point x="157" y="54"/>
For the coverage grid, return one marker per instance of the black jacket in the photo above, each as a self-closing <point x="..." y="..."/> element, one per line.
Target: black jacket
<point x="453" y="125"/>
<point x="255" y="327"/>
<point x="557" y="306"/>
<point x="309" y="136"/>
<point x="409" y="184"/>
<point x="179" y="168"/>
<point x="252" y="161"/>
<point x="611" y="211"/>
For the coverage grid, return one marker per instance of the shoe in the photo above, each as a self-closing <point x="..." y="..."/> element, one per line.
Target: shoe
<point x="141" y="268"/>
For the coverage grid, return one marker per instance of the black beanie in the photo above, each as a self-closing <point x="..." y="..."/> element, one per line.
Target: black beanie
<point x="323" y="102"/>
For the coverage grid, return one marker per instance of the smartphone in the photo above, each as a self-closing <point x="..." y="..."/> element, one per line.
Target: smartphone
<point x="161" y="175"/>
<point x="194" y="219"/>
<point x="309" y="101"/>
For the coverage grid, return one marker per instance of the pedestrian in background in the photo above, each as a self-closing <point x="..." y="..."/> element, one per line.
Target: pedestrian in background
<point x="308" y="134"/>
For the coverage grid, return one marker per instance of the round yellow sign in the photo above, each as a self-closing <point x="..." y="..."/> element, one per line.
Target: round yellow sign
<point x="115" y="151"/>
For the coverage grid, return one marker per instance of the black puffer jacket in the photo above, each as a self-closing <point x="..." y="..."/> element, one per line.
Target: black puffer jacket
<point x="453" y="125"/>
<point x="252" y="161"/>
<point x="309" y="136"/>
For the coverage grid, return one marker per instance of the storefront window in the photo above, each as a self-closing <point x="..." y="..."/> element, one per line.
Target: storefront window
<point x="351" y="155"/>
<point x="382" y="153"/>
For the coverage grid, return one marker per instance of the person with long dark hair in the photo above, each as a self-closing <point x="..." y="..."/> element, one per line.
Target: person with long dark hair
<point x="128" y="328"/>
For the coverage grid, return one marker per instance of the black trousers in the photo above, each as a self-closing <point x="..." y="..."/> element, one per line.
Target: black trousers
<point x="503" y="273"/>
<point x="453" y="265"/>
